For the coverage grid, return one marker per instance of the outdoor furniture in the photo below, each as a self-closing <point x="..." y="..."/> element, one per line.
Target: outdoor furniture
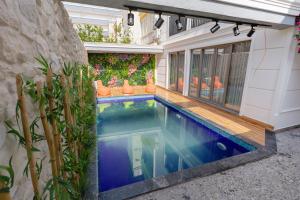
<point x="150" y="87"/>
<point x="195" y="81"/>
<point x="102" y="90"/>
<point x="127" y="89"/>
<point x="218" y="84"/>
<point x="180" y="84"/>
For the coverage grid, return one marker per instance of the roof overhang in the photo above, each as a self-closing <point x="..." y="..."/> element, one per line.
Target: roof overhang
<point x="277" y="15"/>
<point x="92" y="47"/>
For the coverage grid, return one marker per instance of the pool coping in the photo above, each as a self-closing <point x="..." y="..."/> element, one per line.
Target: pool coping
<point x="182" y="176"/>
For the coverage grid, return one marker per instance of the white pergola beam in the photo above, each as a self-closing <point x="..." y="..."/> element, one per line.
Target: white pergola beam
<point x="212" y="9"/>
<point x="122" y="48"/>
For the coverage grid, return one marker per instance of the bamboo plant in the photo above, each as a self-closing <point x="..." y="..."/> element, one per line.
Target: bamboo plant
<point x="65" y="102"/>
<point x="6" y="180"/>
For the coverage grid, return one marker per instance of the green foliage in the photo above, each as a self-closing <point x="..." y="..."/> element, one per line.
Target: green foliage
<point x="93" y="33"/>
<point x="83" y="111"/>
<point x="113" y="69"/>
<point x="6" y="177"/>
<point x="120" y="35"/>
<point x="90" y="33"/>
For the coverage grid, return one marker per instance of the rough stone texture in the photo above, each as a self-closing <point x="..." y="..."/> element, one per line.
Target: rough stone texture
<point x="29" y="28"/>
<point x="277" y="177"/>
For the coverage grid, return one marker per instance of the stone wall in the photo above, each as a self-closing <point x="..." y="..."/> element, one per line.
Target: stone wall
<point x="29" y="28"/>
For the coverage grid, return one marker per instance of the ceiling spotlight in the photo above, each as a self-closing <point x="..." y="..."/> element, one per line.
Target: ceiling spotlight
<point x="215" y="27"/>
<point x="236" y="30"/>
<point x="130" y="19"/>
<point x="159" y="22"/>
<point x="251" y="32"/>
<point x="178" y="24"/>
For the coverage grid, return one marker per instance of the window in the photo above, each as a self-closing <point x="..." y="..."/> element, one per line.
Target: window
<point x="172" y="25"/>
<point x="195" y="73"/>
<point x="199" y="21"/>
<point x="176" y="72"/>
<point x="218" y="74"/>
<point x="237" y="74"/>
<point x="148" y="34"/>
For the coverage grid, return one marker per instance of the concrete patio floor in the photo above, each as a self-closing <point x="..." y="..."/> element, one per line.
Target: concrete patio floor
<point x="277" y="177"/>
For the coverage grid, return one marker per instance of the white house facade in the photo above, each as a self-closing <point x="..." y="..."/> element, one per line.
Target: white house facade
<point x="255" y="77"/>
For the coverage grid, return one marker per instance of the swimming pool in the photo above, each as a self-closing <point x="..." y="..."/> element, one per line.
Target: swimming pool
<point x="144" y="137"/>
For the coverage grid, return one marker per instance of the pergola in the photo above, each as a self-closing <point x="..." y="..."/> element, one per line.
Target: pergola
<point x="276" y="14"/>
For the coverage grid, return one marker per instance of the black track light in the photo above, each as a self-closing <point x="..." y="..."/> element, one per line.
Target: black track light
<point x="159" y="22"/>
<point x="215" y="28"/>
<point x="236" y="30"/>
<point x="130" y="19"/>
<point x="178" y="24"/>
<point x="251" y="32"/>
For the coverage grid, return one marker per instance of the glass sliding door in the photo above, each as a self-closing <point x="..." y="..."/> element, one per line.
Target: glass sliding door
<point x="237" y="74"/>
<point x="176" y="71"/>
<point x="195" y="73"/>
<point x="206" y="72"/>
<point x="218" y="73"/>
<point x="173" y="72"/>
<point x="221" y="73"/>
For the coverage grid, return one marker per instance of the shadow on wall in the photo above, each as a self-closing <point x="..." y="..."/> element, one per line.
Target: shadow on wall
<point x="113" y="69"/>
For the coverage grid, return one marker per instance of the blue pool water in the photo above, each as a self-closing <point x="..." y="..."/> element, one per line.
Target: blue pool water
<point x="144" y="138"/>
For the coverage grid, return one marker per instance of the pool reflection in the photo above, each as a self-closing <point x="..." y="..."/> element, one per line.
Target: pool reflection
<point x="147" y="139"/>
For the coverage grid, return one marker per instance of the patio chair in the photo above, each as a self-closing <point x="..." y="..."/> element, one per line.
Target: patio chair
<point x="150" y="88"/>
<point x="204" y="86"/>
<point x="180" y="84"/>
<point x="127" y="89"/>
<point x="218" y="84"/>
<point x="195" y="81"/>
<point x="102" y="90"/>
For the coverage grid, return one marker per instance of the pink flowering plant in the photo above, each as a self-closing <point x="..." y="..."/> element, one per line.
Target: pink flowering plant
<point x="113" y="69"/>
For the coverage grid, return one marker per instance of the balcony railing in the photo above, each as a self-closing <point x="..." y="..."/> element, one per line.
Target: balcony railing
<point x="195" y="22"/>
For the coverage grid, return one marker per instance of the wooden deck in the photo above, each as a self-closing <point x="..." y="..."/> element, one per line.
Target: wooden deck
<point x="234" y="124"/>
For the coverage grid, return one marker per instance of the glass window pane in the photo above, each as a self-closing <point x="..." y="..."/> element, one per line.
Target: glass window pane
<point x="176" y="73"/>
<point x="173" y="72"/>
<point x="206" y="72"/>
<point x="180" y="71"/>
<point x="195" y="73"/>
<point x="237" y="74"/>
<point x="223" y="59"/>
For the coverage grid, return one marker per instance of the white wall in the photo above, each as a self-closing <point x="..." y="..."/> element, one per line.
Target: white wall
<point x="268" y="70"/>
<point x="264" y="64"/>
<point x="289" y="107"/>
<point x="161" y="70"/>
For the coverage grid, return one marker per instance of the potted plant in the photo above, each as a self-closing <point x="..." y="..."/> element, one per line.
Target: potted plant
<point x="6" y="180"/>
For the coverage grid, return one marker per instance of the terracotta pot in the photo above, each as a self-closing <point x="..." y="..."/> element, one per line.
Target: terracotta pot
<point x="102" y="90"/>
<point x="5" y="196"/>
<point x="127" y="89"/>
<point x="150" y="88"/>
